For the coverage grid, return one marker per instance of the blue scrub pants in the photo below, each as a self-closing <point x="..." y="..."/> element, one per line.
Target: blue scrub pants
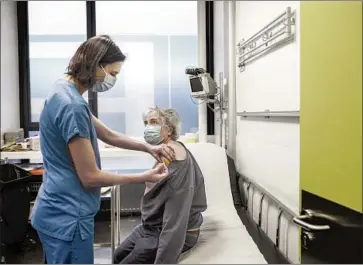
<point x="77" y="251"/>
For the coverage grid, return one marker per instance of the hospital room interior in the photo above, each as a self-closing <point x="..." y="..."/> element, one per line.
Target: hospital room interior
<point x="269" y="95"/>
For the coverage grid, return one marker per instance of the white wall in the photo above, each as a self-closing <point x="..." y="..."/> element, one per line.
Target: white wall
<point x="9" y="68"/>
<point x="268" y="152"/>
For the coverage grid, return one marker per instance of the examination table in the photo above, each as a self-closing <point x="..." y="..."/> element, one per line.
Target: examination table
<point x="223" y="238"/>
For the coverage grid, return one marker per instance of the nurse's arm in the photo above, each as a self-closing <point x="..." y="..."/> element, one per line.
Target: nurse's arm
<point x="91" y="176"/>
<point x="113" y="138"/>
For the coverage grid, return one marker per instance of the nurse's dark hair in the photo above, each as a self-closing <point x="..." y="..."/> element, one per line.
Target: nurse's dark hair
<point x="96" y="51"/>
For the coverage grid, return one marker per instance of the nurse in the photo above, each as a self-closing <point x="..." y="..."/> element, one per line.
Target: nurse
<point x="69" y="197"/>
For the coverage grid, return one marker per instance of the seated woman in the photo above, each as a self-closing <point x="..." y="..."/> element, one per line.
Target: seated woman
<point x="170" y="209"/>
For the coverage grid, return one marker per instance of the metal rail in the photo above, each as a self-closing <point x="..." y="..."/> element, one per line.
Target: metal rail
<point x="282" y="210"/>
<point x="266" y="40"/>
<point x="305" y="220"/>
<point x="269" y="114"/>
<point x="250" y="52"/>
<point x="259" y="33"/>
<point x="272" y="198"/>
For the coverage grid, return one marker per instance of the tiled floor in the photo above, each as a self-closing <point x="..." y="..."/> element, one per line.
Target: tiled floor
<point x="103" y="254"/>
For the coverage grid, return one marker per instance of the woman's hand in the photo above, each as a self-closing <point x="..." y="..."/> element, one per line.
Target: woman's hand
<point x="160" y="151"/>
<point x="159" y="172"/>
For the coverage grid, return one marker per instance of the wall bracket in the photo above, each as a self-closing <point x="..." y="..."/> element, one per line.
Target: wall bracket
<point x="278" y="32"/>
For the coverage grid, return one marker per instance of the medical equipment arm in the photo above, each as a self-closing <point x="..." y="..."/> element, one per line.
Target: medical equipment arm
<point x="175" y="225"/>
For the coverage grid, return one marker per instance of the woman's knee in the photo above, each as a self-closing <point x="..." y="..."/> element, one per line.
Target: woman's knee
<point x="127" y="246"/>
<point x="119" y="254"/>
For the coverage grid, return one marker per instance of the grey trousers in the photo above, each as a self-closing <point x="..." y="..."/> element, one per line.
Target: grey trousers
<point x="141" y="246"/>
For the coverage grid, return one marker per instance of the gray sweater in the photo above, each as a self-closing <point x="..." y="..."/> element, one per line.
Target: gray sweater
<point x="173" y="206"/>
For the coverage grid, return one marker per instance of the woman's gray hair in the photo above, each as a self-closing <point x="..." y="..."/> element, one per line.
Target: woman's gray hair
<point x="169" y="117"/>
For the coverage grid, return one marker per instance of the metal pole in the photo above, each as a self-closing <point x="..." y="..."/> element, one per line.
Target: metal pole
<point x="118" y="207"/>
<point x="118" y="211"/>
<point x="226" y="70"/>
<point x="221" y="108"/>
<point x="113" y="207"/>
<point x="232" y="80"/>
<point x="202" y="46"/>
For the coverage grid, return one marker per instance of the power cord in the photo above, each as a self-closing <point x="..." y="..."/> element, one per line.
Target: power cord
<point x="204" y="101"/>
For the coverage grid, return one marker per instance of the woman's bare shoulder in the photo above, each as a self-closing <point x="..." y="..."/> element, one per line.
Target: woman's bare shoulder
<point x="180" y="152"/>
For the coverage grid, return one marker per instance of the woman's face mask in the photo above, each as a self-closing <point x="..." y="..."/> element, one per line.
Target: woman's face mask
<point x="152" y="134"/>
<point x="107" y="83"/>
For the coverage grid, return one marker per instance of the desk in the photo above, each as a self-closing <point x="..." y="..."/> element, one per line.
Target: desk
<point x="111" y="152"/>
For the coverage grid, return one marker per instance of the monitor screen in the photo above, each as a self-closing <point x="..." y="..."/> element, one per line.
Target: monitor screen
<point x="196" y="85"/>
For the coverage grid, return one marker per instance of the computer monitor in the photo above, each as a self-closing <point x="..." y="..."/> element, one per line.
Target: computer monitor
<point x="202" y="86"/>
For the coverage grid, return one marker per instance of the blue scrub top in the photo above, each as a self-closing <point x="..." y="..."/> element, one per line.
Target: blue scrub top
<point x="62" y="203"/>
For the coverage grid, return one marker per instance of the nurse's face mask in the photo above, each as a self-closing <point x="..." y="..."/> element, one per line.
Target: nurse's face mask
<point x="107" y="83"/>
<point x="155" y="132"/>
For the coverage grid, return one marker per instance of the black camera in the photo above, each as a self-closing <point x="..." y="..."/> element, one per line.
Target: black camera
<point x="195" y="71"/>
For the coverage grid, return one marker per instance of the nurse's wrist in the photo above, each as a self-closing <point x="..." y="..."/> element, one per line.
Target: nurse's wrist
<point x="147" y="148"/>
<point x="143" y="177"/>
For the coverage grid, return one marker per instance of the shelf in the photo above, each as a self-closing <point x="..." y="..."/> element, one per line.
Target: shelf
<point x="104" y="153"/>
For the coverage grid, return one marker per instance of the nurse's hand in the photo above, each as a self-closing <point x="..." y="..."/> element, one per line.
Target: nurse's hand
<point x="160" y="151"/>
<point x="159" y="172"/>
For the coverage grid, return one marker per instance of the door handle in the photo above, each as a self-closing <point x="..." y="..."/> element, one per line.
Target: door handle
<point x="301" y="221"/>
<point x="339" y="220"/>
